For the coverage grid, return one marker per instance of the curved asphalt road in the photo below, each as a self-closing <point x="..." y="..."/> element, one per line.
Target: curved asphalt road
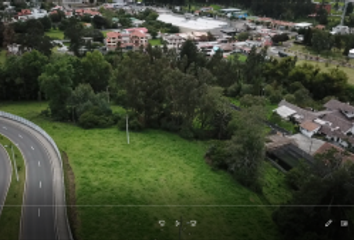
<point x="5" y="175"/>
<point x="38" y="216"/>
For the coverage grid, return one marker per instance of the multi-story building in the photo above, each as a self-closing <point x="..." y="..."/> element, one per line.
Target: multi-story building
<point x="173" y="40"/>
<point x="127" y="39"/>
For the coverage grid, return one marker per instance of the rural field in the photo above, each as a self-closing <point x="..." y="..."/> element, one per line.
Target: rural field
<point x="122" y="190"/>
<point x="323" y="67"/>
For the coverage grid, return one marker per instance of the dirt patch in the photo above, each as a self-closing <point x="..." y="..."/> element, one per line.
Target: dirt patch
<point x="69" y="178"/>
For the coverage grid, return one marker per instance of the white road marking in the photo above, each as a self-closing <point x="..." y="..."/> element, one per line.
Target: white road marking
<point x="39" y="212"/>
<point x="4" y="128"/>
<point x="39" y="163"/>
<point x="40" y="184"/>
<point x="32" y="148"/>
<point x="20" y="136"/>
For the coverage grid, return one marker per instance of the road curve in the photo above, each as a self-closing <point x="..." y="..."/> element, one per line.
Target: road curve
<point x="5" y="176"/>
<point x="42" y="217"/>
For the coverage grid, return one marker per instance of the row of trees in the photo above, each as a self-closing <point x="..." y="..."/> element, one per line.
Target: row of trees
<point x="322" y="41"/>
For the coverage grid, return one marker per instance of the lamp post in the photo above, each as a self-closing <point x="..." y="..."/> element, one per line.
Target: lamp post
<point x="14" y="160"/>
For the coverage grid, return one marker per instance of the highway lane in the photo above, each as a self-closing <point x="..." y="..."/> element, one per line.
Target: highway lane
<point x="38" y="216"/>
<point x="5" y="176"/>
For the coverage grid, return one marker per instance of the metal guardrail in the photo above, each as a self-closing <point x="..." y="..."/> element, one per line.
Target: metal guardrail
<point x="31" y="125"/>
<point x="51" y="141"/>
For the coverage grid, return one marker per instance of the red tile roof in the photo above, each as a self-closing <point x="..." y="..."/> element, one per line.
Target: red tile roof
<point x="24" y="12"/>
<point x="138" y="34"/>
<point x="113" y="34"/>
<point x="139" y="29"/>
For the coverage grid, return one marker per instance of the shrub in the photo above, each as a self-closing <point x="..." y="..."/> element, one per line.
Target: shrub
<point x="94" y="118"/>
<point x="280" y="38"/>
<point x="217" y="155"/>
<point x="186" y="132"/>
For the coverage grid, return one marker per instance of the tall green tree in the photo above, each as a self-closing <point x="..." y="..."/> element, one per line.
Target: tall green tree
<point x="56" y="82"/>
<point x="75" y="31"/>
<point x="321" y="41"/>
<point x="247" y="147"/>
<point x="96" y="71"/>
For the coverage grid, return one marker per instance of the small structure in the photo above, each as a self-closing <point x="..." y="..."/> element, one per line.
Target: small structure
<point x="351" y="53"/>
<point x="173" y="40"/>
<point x="285" y="112"/>
<point x="230" y="10"/>
<point x="302" y="25"/>
<point x="340" y="30"/>
<point x="206" y="9"/>
<point x="309" y="128"/>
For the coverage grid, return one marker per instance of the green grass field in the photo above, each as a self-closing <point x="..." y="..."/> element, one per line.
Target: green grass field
<point x="55" y="34"/>
<point x="333" y="54"/>
<point x="155" y="42"/>
<point x="133" y="186"/>
<point x="240" y="57"/>
<point x="2" y="56"/>
<point x="323" y="67"/>
<point x="105" y="32"/>
<point x="10" y="216"/>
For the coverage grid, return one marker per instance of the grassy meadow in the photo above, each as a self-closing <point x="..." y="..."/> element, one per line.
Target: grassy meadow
<point x="122" y="190"/>
<point x="55" y="34"/>
<point x="323" y="67"/>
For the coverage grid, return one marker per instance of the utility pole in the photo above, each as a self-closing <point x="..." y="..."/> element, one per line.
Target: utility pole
<point x="127" y="127"/>
<point x="310" y="146"/>
<point x="180" y="228"/>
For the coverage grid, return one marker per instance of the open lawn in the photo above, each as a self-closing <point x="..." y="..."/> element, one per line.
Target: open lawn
<point x="11" y="215"/>
<point x="323" y="67"/>
<point x="240" y="57"/>
<point x="275" y="189"/>
<point x="333" y="54"/>
<point x="2" y="56"/>
<point x="105" y="32"/>
<point x="155" y="42"/>
<point x="124" y="190"/>
<point x="55" y="34"/>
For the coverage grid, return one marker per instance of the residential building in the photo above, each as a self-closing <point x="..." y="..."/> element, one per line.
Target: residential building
<point x="309" y="128"/>
<point x="336" y="123"/>
<point x="173" y="40"/>
<point x="144" y="30"/>
<point x="206" y="9"/>
<point x="112" y="40"/>
<point x="302" y="25"/>
<point x="345" y="108"/>
<point x="138" y="38"/>
<point x="81" y="12"/>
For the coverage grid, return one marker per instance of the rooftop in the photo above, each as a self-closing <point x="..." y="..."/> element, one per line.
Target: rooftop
<point x="334" y="104"/>
<point x="310" y="126"/>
